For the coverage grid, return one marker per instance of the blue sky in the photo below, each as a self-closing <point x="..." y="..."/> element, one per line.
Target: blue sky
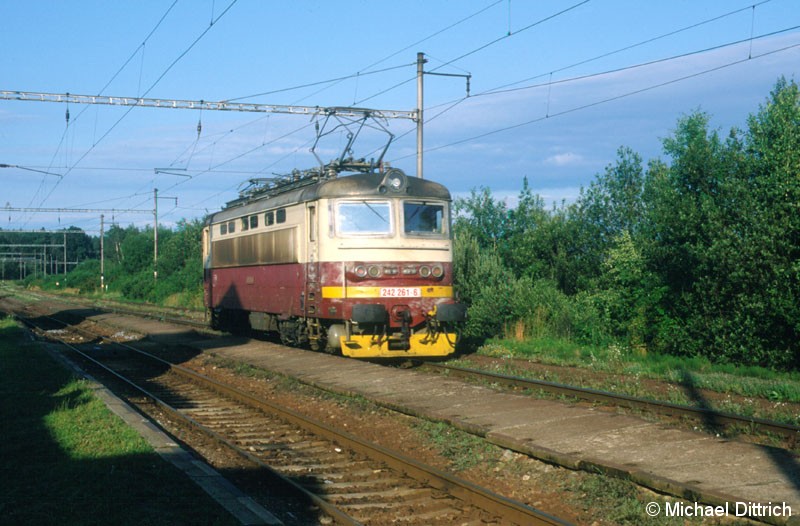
<point x="542" y="104"/>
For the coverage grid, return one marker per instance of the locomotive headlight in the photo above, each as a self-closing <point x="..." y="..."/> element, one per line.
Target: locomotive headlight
<point x="374" y="271"/>
<point x="394" y="180"/>
<point x="424" y="271"/>
<point x="360" y="271"/>
<point x="437" y="271"/>
<point x="395" y="183"/>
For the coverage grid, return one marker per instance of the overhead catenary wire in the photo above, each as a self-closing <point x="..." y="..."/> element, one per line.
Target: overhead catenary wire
<point x="444" y="110"/>
<point x="641" y="64"/>
<point x="582" y="62"/>
<point x="480" y="48"/>
<point x="606" y="100"/>
<point x="366" y="70"/>
<point x="238" y="156"/>
<point x="504" y="89"/>
<point x="362" y="72"/>
<point x="631" y="46"/>
<point x="107" y="84"/>
<point x="152" y="86"/>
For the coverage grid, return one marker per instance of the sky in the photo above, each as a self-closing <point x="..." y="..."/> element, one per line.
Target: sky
<point x="556" y="87"/>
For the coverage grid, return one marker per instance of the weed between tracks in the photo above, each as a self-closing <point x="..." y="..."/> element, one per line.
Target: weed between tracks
<point x="464" y="451"/>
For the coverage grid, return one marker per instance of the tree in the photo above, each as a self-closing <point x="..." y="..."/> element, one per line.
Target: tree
<point x="770" y="258"/>
<point x="613" y="204"/>
<point x="481" y="217"/>
<point x="724" y="237"/>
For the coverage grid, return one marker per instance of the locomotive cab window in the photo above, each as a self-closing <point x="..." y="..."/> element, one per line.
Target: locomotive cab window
<point x="422" y="218"/>
<point x="363" y="218"/>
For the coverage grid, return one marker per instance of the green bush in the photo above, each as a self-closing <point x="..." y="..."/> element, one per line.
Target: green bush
<point x="693" y="256"/>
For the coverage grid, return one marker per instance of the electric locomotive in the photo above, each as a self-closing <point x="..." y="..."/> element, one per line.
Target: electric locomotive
<point x="343" y="258"/>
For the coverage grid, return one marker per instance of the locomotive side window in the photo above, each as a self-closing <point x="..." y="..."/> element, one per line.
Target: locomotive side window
<point x="275" y="216"/>
<point x="245" y="224"/>
<point x="231" y="227"/>
<point x="312" y="223"/>
<point x="223" y="228"/>
<point x="253" y="221"/>
<point x="423" y="218"/>
<point x="363" y="217"/>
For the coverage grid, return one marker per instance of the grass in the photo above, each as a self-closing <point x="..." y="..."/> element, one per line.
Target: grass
<point x="68" y="460"/>
<point x="616" y="501"/>
<point x="724" y="378"/>
<point x="462" y="449"/>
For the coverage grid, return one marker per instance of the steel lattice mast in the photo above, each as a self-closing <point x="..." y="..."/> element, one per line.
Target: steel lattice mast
<point x="143" y="102"/>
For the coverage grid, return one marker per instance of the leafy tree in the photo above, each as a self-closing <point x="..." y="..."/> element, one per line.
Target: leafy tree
<point x="481" y="217"/>
<point x="628" y="294"/>
<point x="137" y="251"/>
<point x="613" y="204"/>
<point x="696" y="254"/>
<point x="180" y="260"/>
<point x="769" y="255"/>
<point x="529" y="215"/>
<point x="484" y="283"/>
<point x="725" y="237"/>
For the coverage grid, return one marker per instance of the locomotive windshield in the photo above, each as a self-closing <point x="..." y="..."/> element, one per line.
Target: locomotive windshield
<point x="423" y="218"/>
<point x="364" y="218"/>
<point x="369" y="217"/>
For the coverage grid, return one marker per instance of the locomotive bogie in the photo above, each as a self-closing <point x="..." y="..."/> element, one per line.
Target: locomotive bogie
<point x="358" y="265"/>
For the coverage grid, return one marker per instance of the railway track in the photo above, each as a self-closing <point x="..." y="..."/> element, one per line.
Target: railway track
<point x="349" y="479"/>
<point x="708" y="417"/>
<point x="703" y="416"/>
<point x="169" y="315"/>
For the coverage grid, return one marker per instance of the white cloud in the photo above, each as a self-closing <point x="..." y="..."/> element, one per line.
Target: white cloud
<point x="565" y="159"/>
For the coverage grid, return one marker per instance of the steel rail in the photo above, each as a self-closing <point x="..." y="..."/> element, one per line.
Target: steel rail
<point x="703" y="414"/>
<point x="327" y="507"/>
<point x="489" y="501"/>
<point x="509" y="509"/>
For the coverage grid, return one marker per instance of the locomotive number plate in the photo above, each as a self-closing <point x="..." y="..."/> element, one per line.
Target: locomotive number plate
<point x="400" y="292"/>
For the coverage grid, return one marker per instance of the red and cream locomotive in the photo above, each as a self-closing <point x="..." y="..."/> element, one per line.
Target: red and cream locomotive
<point x="359" y="264"/>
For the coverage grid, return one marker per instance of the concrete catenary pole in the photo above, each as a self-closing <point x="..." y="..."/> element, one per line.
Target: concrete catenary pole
<point x="420" y="74"/>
